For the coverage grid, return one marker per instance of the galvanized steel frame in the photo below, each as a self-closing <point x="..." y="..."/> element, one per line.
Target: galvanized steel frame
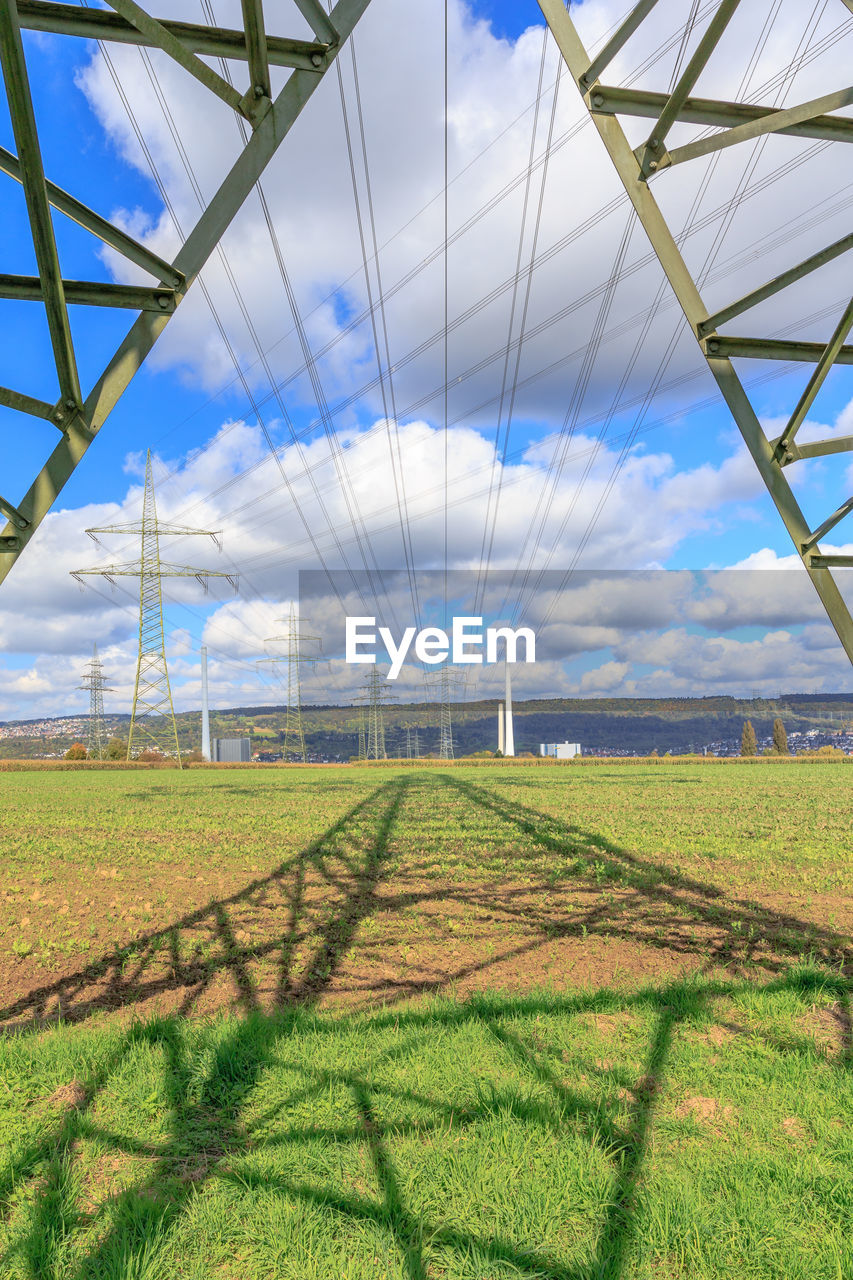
<point x="78" y="417"/>
<point x="740" y="122"/>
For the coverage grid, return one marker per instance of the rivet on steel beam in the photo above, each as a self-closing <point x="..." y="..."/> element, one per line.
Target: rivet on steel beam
<point x="316" y="60"/>
<point x="653" y="164"/>
<point x="598" y="99"/>
<point x="163" y="300"/>
<point x="713" y="346"/>
<point x="259" y="91"/>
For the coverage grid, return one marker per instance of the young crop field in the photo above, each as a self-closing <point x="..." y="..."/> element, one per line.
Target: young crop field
<point x="480" y="1023"/>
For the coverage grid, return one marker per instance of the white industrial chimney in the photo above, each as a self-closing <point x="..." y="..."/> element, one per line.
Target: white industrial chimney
<point x="509" y="737"/>
<point x="205" y="710"/>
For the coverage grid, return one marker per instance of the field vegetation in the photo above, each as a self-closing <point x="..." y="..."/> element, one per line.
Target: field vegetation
<point x="489" y="1022"/>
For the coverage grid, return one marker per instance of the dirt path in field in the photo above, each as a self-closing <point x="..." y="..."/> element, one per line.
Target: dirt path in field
<point x="347" y="923"/>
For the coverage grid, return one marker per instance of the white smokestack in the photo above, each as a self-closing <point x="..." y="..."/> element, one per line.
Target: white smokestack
<point x="501" y="727"/>
<point x="205" y="710"/>
<point x="509" y="738"/>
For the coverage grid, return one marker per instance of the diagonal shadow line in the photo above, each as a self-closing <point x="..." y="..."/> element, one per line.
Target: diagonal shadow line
<point x="619" y="1228"/>
<point x="198" y="1127"/>
<point x="710" y="904"/>
<point x="119" y="989"/>
<point x="254" y="1039"/>
<point x="627" y="1150"/>
<point x="528" y="1262"/>
<point x="355" y="914"/>
<point x="405" y="1227"/>
<point x="234" y="960"/>
<point x="338" y="935"/>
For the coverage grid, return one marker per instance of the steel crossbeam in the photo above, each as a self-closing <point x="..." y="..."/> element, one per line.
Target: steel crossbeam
<point x="738" y="122"/>
<point x="78" y="414"/>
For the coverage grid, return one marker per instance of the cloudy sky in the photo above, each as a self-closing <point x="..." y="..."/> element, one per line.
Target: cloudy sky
<point x="579" y="428"/>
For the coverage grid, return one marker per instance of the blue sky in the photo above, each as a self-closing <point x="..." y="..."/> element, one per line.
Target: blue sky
<point x="685" y="463"/>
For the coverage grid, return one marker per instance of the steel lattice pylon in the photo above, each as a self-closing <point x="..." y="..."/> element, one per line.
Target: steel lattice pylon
<point x="375" y="693"/>
<point x="445" y="726"/>
<point x="736" y="122"/>
<point x="294" y="638"/>
<point x="94" y="682"/>
<point x="153" y="714"/>
<point x="79" y="413"/>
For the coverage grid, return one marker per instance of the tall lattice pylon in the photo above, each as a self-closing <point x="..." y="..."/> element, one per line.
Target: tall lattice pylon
<point x="94" y="681"/>
<point x="446" y="679"/>
<point x="297" y="642"/>
<point x="685" y="127"/>
<point x="445" y="726"/>
<point x="375" y="695"/>
<point x="273" y="71"/>
<point x="152" y="720"/>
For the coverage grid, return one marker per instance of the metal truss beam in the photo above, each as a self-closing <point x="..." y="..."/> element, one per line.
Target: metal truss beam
<point x="100" y="227"/>
<point x="320" y="22"/>
<point x="25" y="404"/>
<point x="217" y="42"/>
<point x="256" y="47"/>
<point x="635" y="170"/>
<point x="136" y="298"/>
<point x="609" y="100"/>
<point x="38" y="206"/>
<point x="79" y="419"/>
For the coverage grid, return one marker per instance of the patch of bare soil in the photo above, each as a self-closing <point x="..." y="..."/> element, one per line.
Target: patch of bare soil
<point x="707" y="1111"/>
<point x="341" y="932"/>
<point x="830" y="1028"/>
<point x="70" y="1096"/>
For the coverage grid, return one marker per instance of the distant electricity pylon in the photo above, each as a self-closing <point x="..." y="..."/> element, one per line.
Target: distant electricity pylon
<point x="360" y="727"/>
<point x="375" y="693"/>
<point x="294" y="638"/>
<point x="445" y="726"/>
<point x="152" y="719"/>
<point x="94" y="680"/>
<point x="413" y="745"/>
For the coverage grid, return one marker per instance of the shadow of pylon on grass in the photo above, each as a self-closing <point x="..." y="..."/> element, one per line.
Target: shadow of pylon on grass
<point x="207" y="1135"/>
<point x="740" y="933"/>
<point x="347" y="860"/>
<point x="205" y="1130"/>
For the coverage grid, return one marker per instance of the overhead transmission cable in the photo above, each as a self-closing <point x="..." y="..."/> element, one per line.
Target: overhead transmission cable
<point x="202" y="285"/>
<point x="783" y="86"/>
<point x="463" y="228"/>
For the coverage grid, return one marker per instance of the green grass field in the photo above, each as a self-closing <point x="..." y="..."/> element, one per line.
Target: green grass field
<point x="410" y="1023"/>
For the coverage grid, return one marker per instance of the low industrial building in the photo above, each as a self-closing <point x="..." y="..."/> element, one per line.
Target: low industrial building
<point x="560" y="750"/>
<point x="231" y="750"/>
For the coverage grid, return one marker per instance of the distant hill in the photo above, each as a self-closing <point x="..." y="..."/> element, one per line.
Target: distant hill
<point x="631" y="726"/>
